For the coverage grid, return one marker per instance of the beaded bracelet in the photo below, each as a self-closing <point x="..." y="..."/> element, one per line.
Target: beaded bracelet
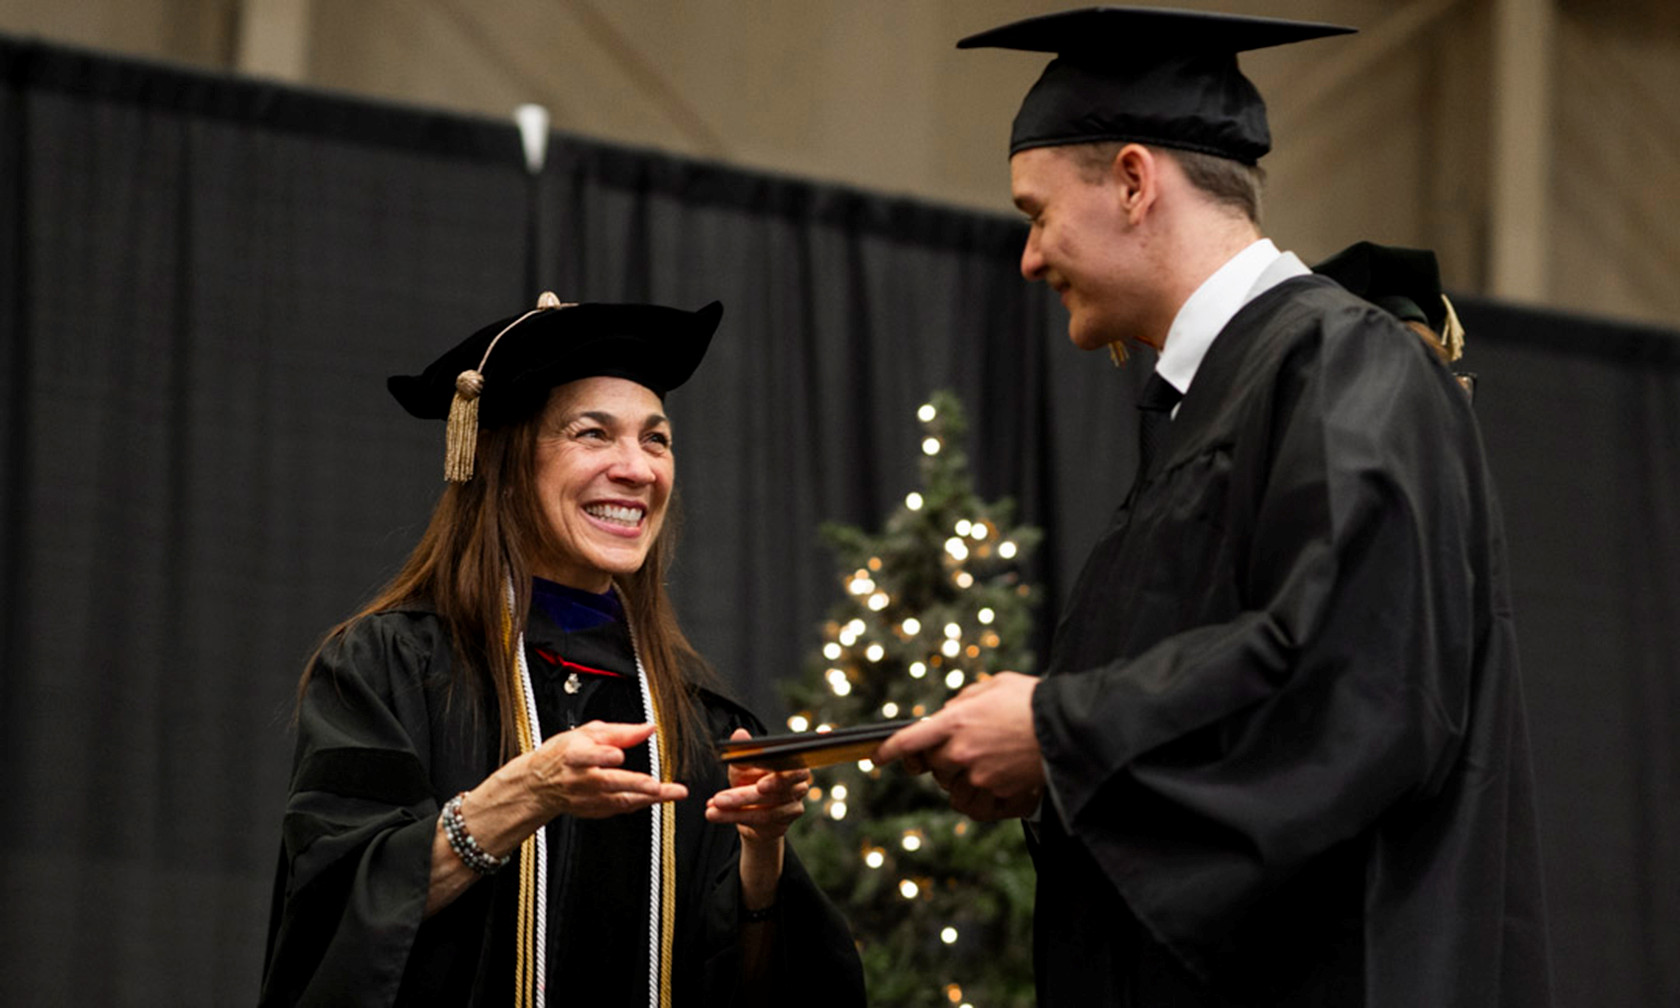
<point x="462" y="842"/>
<point x="757" y="916"/>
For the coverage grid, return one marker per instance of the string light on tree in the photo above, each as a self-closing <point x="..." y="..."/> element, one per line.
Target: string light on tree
<point x="932" y="601"/>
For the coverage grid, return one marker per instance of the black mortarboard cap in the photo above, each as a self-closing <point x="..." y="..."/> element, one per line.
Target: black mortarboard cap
<point x="1146" y="75"/>
<point x="502" y="373"/>
<point x="1405" y="282"/>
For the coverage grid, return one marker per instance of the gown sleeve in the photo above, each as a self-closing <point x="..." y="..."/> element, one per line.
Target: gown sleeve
<point x="358" y="827"/>
<point x="1218" y="759"/>
<point x="813" y="960"/>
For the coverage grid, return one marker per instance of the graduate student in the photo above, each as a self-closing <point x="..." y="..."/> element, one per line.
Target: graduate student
<point x="1277" y="755"/>
<point x="504" y="790"/>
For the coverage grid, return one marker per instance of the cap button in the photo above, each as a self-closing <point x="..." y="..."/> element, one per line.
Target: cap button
<point x="548" y="299"/>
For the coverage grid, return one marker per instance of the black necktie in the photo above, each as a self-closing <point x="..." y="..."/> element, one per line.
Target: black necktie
<point x="1154" y="415"/>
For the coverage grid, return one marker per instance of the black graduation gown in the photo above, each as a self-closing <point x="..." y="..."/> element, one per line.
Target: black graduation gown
<point x="383" y="743"/>
<point x="1281" y="719"/>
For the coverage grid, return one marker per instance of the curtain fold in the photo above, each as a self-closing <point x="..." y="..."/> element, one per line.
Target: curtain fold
<point x="204" y="282"/>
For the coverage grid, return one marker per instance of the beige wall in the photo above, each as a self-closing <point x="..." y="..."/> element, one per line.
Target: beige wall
<point x="1387" y="135"/>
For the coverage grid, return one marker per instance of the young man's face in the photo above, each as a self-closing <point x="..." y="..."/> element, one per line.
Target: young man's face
<point x="1081" y="244"/>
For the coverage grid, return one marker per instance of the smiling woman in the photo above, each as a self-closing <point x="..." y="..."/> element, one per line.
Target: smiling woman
<point x="604" y="472"/>
<point x="503" y="782"/>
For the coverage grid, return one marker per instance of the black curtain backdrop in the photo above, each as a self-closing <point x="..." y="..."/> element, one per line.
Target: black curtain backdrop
<point x="203" y="283"/>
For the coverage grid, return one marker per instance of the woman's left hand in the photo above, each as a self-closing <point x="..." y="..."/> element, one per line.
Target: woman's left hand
<point x="761" y="803"/>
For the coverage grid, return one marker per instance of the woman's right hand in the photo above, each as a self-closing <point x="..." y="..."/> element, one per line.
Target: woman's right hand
<point x="574" y="773"/>
<point x="578" y="773"/>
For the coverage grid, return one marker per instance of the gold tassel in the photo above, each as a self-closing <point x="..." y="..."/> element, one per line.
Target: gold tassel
<point x="461" y="438"/>
<point x="1452" y="332"/>
<point x="1117" y="353"/>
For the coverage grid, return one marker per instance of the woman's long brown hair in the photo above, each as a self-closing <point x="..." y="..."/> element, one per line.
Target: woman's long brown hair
<point x="486" y="531"/>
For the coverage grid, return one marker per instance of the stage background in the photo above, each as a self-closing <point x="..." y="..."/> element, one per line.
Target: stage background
<point x="204" y="282"/>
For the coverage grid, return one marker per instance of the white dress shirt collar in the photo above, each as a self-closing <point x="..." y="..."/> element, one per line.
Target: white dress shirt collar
<point x="1244" y="277"/>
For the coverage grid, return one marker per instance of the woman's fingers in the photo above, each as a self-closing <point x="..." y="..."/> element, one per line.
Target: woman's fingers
<point x="765" y="788"/>
<point x="611" y="733"/>
<point x="608" y="781"/>
<point x="600" y="804"/>
<point x="582" y="754"/>
<point x="578" y="771"/>
<point x="764" y="806"/>
<point x="604" y="792"/>
<point x="760" y="817"/>
<point x="785" y="785"/>
<point x="614" y="735"/>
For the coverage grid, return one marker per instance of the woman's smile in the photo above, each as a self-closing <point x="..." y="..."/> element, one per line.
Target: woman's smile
<point x="616" y="517"/>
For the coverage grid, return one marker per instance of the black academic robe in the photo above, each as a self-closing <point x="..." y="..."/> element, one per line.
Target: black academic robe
<point x="1281" y="720"/>
<point x="384" y="740"/>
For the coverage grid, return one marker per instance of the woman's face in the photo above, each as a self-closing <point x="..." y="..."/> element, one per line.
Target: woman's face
<point x="603" y="473"/>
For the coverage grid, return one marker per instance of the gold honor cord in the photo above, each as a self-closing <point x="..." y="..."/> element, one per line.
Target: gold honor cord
<point x="525" y="930"/>
<point x="667" y="811"/>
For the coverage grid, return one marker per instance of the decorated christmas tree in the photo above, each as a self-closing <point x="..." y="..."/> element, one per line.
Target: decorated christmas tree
<point x="941" y="905"/>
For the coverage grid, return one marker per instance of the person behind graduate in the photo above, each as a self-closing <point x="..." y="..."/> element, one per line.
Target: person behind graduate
<point x="1405" y="282"/>
<point x="504" y="790"/>
<point x="1278" y="754"/>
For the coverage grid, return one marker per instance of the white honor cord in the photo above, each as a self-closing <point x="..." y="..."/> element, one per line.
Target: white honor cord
<point x="530" y="697"/>
<point x="656" y="851"/>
